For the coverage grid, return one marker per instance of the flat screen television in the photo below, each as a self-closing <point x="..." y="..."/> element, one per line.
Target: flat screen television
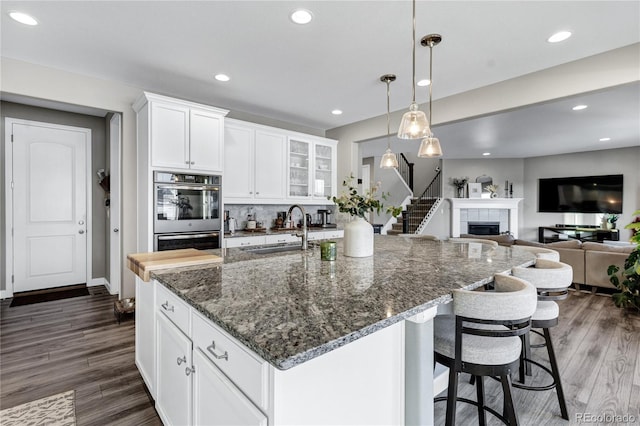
<point x="583" y="194"/>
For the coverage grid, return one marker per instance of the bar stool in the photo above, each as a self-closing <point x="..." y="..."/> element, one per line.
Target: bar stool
<point x="540" y="252"/>
<point x="552" y="280"/>
<point x="481" y="338"/>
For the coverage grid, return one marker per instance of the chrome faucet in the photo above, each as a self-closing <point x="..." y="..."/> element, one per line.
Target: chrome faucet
<point x="305" y="233"/>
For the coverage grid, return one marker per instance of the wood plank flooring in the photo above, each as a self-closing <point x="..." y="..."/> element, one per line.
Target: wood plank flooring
<point x="74" y="344"/>
<point x="598" y="351"/>
<point x="52" y="347"/>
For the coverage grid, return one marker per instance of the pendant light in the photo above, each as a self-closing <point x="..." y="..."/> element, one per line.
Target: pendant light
<point x="430" y="146"/>
<point x="414" y="124"/>
<point x="389" y="159"/>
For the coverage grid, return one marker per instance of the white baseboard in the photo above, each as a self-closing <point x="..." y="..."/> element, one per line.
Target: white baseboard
<point x="97" y="281"/>
<point x="5" y="294"/>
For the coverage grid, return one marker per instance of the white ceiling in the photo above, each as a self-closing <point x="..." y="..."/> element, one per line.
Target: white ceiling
<point x="299" y="74"/>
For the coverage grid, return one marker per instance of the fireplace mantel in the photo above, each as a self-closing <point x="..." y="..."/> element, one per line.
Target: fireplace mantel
<point x="510" y="204"/>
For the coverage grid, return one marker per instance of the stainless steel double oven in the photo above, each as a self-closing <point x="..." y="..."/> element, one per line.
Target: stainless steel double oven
<point x="186" y="211"/>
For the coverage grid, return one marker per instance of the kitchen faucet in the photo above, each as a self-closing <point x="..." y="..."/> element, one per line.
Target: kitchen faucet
<point x="304" y="234"/>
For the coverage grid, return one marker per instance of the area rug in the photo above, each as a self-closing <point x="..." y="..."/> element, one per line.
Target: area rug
<point x="58" y="410"/>
<point x="40" y="296"/>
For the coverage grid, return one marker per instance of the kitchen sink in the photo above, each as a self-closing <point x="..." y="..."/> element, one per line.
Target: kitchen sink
<point x="273" y="249"/>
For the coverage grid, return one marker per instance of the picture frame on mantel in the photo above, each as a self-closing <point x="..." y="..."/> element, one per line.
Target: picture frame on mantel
<point x="474" y="189"/>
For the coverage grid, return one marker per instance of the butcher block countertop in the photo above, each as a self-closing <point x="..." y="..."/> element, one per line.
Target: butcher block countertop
<point x="143" y="263"/>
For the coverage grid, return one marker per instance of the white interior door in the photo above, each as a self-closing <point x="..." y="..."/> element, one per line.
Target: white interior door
<point x="114" y="206"/>
<point x="49" y="205"/>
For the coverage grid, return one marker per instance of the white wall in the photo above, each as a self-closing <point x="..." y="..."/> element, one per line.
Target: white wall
<point x="625" y="161"/>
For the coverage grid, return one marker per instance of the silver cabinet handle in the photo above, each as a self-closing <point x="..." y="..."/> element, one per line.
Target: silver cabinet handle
<point x="212" y="348"/>
<point x="81" y="231"/>
<point x="166" y="306"/>
<point x="193" y="162"/>
<point x="186" y="162"/>
<point x="189" y="370"/>
<point x="181" y="360"/>
<point x="116" y="230"/>
<point x="81" y="222"/>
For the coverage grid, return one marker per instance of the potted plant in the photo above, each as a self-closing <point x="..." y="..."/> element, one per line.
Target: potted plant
<point x="358" y="233"/>
<point x="611" y="220"/>
<point x="628" y="282"/>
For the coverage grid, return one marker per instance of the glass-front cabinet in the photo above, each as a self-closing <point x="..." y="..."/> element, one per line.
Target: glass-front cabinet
<point x="299" y="165"/>
<point x="311" y="169"/>
<point x="323" y="185"/>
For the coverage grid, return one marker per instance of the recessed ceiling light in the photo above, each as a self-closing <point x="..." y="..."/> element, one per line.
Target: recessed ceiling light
<point x="559" y="36"/>
<point x="301" y="16"/>
<point x="23" y="18"/>
<point x="336" y="112"/>
<point x="222" y="77"/>
<point x="605" y="139"/>
<point x="486" y="154"/>
<point x="424" y="82"/>
<point x="579" y="107"/>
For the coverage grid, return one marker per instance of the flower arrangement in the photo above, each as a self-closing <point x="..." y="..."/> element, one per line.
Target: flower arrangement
<point x="460" y="182"/>
<point x="493" y="188"/>
<point x="350" y="201"/>
<point x="612" y="218"/>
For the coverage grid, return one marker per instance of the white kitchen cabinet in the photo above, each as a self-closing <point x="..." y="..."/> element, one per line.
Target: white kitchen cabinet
<point x="145" y="333"/>
<point x="276" y="166"/>
<point x="181" y="135"/>
<point x="312" y="168"/>
<point x="244" y="241"/>
<point x="326" y="235"/>
<point x="217" y="401"/>
<point x="254" y="163"/>
<point x="174" y="391"/>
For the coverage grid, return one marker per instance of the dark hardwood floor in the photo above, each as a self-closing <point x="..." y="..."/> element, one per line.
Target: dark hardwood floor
<point x="73" y="344"/>
<point x="598" y="348"/>
<point x="52" y="347"/>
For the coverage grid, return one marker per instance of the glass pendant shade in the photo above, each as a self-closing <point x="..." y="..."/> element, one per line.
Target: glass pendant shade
<point x="389" y="160"/>
<point x="414" y="124"/>
<point x="430" y="147"/>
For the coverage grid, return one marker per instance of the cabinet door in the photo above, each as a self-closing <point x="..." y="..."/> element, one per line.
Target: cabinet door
<point x="217" y="401"/>
<point x="270" y="180"/>
<point x="169" y="136"/>
<point x="238" y="162"/>
<point x="324" y="171"/>
<point x="173" y="394"/>
<point x="205" y="143"/>
<point x="299" y="168"/>
<point x="145" y="333"/>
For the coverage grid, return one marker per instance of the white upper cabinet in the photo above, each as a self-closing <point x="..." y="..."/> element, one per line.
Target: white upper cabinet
<point x="312" y="168"/>
<point x="276" y="166"/>
<point x="183" y="135"/>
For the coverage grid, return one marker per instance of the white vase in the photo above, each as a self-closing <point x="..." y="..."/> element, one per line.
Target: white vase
<point x="358" y="238"/>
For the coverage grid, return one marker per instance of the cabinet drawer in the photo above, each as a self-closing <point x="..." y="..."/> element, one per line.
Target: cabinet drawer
<point x="174" y="308"/>
<point x="281" y="238"/>
<point x="243" y="368"/>
<point x="244" y="241"/>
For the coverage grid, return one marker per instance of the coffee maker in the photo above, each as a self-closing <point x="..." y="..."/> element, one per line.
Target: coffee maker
<point x="325" y="218"/>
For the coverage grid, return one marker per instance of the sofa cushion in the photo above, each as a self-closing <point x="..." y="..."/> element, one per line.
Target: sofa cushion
<point x="608" y="248"/>
<point x="572" y="244"/>
<point x="503" y="239"/>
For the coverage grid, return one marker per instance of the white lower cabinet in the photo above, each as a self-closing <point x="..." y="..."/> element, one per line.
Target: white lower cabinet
<point x="217" y="401"/>
<point x="174" y="388"/>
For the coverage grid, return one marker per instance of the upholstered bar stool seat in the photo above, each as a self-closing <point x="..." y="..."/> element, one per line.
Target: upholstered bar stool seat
<point x="482" y="338"/>
<point x="540" y="252"/>
<point x="551" y="279"/>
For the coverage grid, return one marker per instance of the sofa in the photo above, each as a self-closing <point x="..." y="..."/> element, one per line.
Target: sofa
<point x="589" y="260"/>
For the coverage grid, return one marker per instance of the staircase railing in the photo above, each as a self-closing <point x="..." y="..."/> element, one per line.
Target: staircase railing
<point x="405" y="168"/>
<point x="415" y="213"/>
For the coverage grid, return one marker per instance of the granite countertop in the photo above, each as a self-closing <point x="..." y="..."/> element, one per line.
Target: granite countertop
<point x="291" y="307"/>
<point x="271" y="231"/>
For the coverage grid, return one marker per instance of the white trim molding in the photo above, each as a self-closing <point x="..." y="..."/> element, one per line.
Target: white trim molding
<point x="510" y="204"/>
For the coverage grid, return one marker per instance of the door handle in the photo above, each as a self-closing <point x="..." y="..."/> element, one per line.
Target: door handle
<point x="81" y="231"/>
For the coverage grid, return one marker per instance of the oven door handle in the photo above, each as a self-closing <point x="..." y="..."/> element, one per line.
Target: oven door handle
<point x="187" y="236"/>
<point x="191" y="187"/>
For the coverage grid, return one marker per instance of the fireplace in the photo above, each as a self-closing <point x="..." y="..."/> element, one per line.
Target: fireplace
<point x="483" y="228"/>
<point x="502" y="210"/>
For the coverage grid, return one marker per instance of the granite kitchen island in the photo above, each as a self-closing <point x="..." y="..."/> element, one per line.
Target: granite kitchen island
<point x="342" y="342"/>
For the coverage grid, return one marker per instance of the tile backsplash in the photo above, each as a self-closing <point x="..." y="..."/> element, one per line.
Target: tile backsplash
<point x="267" y="214"/>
